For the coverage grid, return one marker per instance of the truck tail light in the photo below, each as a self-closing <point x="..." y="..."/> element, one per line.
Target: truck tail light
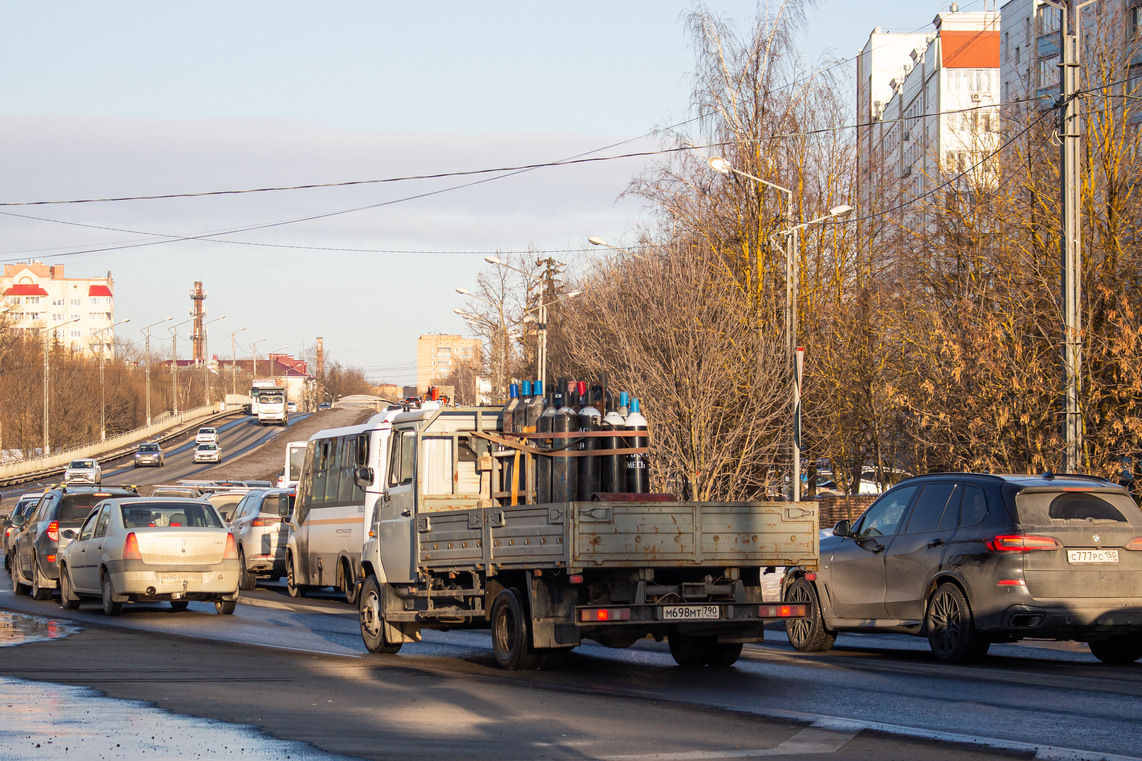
<point x="131" y="547"/>
<point x="604" y="614"/>
<point x="1023" y="543"/>
<point x="231" y="551"/>
<point x="53" y="531"/>
<point x="782" y="611"/>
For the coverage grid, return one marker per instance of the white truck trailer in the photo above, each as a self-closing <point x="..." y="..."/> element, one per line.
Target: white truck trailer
<point x="447" y="549"/>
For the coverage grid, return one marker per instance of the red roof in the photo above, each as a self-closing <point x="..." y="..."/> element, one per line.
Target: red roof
<point x="25" y="289"/>
<point x="98" y="290"/>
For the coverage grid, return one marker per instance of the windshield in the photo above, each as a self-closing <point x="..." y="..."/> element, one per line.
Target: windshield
<point x="274" y="397"/>
<point x="148" y="448"/>
<point x="207" y="447"/>
<point x="170" y="515"/>
<point x="79" y="464"/>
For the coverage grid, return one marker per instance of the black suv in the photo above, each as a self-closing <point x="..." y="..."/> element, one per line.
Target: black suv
<point x="968" y="559"/>
<point x="35" y="549"/>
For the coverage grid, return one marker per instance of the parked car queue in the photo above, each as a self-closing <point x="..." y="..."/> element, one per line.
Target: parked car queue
<point x="965" y="560"/>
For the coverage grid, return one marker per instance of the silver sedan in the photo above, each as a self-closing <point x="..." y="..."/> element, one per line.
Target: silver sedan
<point x="151" y="549"/>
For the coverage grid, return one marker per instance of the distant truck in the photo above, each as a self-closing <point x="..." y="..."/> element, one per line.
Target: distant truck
<point x="273" y="406"/>
<point x="445" y="549"/>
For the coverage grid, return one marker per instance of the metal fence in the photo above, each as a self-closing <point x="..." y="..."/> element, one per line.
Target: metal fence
<point x="123" y="441"/>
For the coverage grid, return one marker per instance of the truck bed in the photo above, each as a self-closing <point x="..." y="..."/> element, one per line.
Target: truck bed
<point x="580" y="535"/>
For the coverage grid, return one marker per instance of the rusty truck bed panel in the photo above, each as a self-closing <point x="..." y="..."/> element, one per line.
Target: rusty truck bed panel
<point x="580" y="535"/>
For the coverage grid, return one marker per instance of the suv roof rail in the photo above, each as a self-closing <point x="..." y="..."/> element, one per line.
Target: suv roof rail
<point x="1049" y="475"/>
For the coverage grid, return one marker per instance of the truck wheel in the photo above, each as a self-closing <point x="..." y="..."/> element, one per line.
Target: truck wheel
<point x="246" y="580"/>
<point x="723" y="655"/>
<point x="372" y="614"/>
<point x="511" y="634"/>
<point x="294" y="589"/>
<point x="690" y="650"/>
<point x="807" y="635"/>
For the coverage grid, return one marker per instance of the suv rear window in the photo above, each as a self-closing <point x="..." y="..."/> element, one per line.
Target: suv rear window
<point x="75" y="507"/>
<point x="1047" y="509"/>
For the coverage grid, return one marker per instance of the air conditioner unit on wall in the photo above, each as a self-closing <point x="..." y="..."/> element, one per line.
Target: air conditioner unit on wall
<point x="975" y="97"/>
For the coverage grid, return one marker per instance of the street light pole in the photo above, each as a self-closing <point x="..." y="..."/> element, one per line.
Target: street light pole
<point x="793" y="353"/>
<point x="147" y="331"/>
<point x="174" y="364"/>
<point x="234" y="363"/>
<point x="541" y="358"/>
<point x="254" y="351"/>
<point x="47" y="402"/>
<point x="206" y="359"/>
<point x="102" y="393"/>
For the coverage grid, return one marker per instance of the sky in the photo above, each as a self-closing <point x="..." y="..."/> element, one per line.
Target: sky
<point x="128" y="99"/>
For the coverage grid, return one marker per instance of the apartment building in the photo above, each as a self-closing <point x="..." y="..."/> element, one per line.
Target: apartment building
<point x="37" y="296"/>
<point x="927" y="112"/>
<point x="437" y="355"/>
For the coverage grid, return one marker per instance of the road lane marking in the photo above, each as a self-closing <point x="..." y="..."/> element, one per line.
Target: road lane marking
<point x="808" y="741"/>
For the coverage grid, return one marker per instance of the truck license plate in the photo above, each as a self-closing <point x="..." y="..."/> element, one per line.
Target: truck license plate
<point x="691" y="612"/>
<point x="1092" y="556"/>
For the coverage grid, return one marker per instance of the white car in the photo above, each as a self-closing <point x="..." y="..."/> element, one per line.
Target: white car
<point x="208" y="453"/>
<point x="86" y="471"/>
<point x="147" y="550"/>
<point x="206" y="436"/>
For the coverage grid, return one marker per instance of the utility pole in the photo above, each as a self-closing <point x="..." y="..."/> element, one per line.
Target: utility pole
<point x="1070" y="244"/>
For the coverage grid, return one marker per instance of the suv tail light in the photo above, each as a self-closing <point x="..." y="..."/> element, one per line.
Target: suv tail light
<point x="1135" y="543"/>
<point x="1023" y="543"/>
<point x="231" y="551"/>
<point x="53" y="531"/>
<point x="259" y="522"/>
<point x="131" y="547"/>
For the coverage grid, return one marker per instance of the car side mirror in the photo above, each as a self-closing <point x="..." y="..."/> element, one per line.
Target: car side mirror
<point x="363" y="477"/>
<point x="283" y="507"/>
<point x="68" y="534"/>
<point x="843" y="528"/>
<point x="18" y="521"/>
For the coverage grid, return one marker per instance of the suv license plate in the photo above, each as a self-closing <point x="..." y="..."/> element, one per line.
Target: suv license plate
<point x="1092" y="556"/>
<point x="691" y="613"/>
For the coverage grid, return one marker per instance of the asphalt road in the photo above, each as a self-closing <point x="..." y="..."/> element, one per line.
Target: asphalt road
<point x="298" y="669"/>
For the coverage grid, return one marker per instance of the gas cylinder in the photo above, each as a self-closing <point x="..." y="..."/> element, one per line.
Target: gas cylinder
<point x="533" y="408"/>
<point x="624" y="404"/>
<point x="590" y="419"/>
<point x="637" y="465"/>
<point x="564" y="470"/>
<point x="544" y="424"/>
<point x="612" y="468"/>
<point x="519" y="419"/>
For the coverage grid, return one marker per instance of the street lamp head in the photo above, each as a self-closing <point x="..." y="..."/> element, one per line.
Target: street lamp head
<point x="841" y="211"/>
<point x="720" y="165"/>
<point x="573" y="294"/>
<point x="463" y="291"/>
<point x="492" y="260"/>
<point x="460" y="312"/>
<point x="595" y="240"/>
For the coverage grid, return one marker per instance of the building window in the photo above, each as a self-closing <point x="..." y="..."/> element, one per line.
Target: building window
<point x="57" y="318"/>
<point x="77" y="302"/>
<point x="77" y="334"/>
<point x="57" y="302"/>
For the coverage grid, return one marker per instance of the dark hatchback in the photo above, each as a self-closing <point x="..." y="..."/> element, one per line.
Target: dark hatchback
<point x="51" y="527"/>
<point x="970" y="559"/>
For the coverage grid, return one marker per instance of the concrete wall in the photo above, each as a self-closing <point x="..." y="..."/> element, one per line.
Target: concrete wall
<point x="123" y="441"/>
